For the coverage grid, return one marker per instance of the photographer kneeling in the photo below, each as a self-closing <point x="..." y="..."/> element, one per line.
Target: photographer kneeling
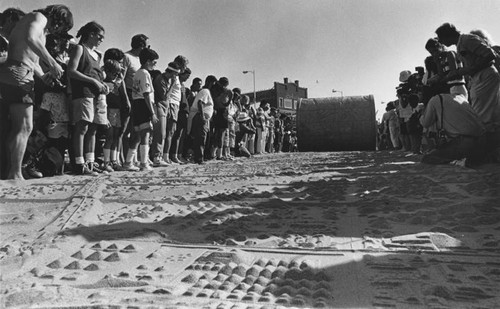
<point x="460" y="127"/>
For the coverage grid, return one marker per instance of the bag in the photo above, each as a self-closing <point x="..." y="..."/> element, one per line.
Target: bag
<point x="51" y="162"/>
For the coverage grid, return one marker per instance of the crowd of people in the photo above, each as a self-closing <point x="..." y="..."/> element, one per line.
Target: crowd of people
<point x="67" y="107"/>
<point x="448" y="110"/>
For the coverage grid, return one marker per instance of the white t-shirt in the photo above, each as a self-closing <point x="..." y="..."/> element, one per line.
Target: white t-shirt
<point x="208" y="104"/>
<point x="142" y="83"/>
<point x="175" y="94"/>
<point x="131" y="64"/>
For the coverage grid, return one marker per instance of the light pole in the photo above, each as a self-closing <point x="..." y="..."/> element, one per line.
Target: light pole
<point x="253" y="73"/>
<point x="341" y="92"/>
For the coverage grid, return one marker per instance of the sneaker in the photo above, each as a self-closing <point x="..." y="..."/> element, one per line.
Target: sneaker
<point x="108" y="166"/>
<point x="167" y="159"/>
<point x="33" y="172"/>
<point x="83" y="169"/>
<point x="159" y="162"/>
<point x="128" y="166"/>
<point x="146" y="167"/>
<point x="175" y="160"/>
<point x="116" y="166"/>
<point x="94" y="166"/>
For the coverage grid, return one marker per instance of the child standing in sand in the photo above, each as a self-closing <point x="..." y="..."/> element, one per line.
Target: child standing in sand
<point x="112" y="68"/>
<point x="142" y="109"/>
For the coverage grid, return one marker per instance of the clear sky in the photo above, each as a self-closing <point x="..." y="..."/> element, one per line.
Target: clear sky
<point x="354" y="46"/>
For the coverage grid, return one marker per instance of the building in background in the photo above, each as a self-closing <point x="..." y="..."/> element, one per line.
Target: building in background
<point x="283" y="96"/>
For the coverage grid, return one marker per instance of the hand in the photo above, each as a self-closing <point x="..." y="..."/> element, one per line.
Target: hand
<point x="48" y="79"/>
<point x="100" y="86"/>
<point x="154" y="118"/>
<point x="56" y="70"/>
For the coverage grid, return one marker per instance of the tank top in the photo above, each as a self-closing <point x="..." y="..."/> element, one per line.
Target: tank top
<point x="90" y="67"/>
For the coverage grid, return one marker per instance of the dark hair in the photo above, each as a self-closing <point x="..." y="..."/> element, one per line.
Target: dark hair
<point x="432" y="44"/>
<point x="87" y="29"/>
<point x="147" y="54"/>
<point x="210" y="80"/>
<point x="12" y="14"/>
<point x="139" y="41"/>
<point x="182" y="62"/>
<point x="390" y="106"/>
<point x="59" y="16"/>
<point x="112" y="67"/>
<point x="197" y="80"/>
<point x="224" y="81"/>
<point x="446" y="30"/>
<point x="114" y="54"/>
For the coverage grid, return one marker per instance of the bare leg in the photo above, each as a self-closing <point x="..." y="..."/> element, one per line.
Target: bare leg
<point x="89" y="140"/>
<point x="78" y="137"/>
<point x="21" y="116"/>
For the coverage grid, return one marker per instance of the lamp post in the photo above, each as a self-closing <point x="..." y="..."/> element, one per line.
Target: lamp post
<point x="253" y="73"/>
<point x="341" y="92"/>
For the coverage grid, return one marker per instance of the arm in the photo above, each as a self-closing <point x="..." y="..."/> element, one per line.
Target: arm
<point x="123" y="93"/>
<point x="36" y="31"/>
<point x="150" y="106"/>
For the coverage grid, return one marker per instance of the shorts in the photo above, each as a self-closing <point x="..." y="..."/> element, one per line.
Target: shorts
<point x="114" y="117"/>
<point x="57" y="105"/>
<point x="161" y="110"/>
<point x="141" y="119"/>
<point x="17" y="82"/>
<point x="83" y="109"/>
<point x="101" y="110"/>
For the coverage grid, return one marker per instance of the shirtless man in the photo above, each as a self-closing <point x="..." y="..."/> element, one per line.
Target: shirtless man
<point x="26" y="47"/>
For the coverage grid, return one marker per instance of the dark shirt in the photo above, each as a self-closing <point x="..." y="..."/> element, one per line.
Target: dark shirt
<point x="90" y="67"/>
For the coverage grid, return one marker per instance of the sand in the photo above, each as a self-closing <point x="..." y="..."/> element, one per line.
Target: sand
<point x="305" y="230"/>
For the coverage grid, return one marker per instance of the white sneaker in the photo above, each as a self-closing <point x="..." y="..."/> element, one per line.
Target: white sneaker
<point x="158" y="162"/>
<point x="146" y="167"/>
<point x="128" y="166"/>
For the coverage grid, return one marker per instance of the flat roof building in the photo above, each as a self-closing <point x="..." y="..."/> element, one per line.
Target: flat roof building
<point x="283" y="96"/>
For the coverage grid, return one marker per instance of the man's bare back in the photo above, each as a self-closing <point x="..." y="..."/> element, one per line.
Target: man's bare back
<point x="27" y="44"/>
<point x="19" y="47"/>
